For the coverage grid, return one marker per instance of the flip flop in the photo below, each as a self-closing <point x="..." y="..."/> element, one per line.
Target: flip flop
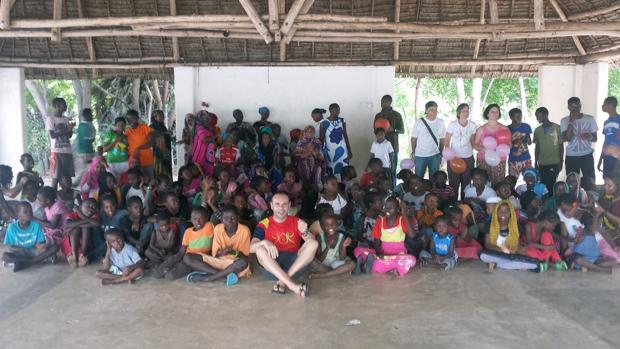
<point x="370" y="260"/>
<point x="190" y="276"/>
<point x="278" y="291"/>
<point x="231" y="279"/>
<point x="304" y="288"/>
<point x="561" y="265"/>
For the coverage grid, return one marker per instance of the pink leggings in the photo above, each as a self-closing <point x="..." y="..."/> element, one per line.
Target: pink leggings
<point x="607" y="251"/>
<point x="400" y="262"/>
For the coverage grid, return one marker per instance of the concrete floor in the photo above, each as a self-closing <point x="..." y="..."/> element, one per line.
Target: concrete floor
<point x="52" y="306"/>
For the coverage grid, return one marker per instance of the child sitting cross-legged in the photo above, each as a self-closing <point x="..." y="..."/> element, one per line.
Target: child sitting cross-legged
<point x="24" y="242"/>
<point x="80" y="228"/>
<point x="587" y="254"/>
<point x="121" y="263"/>
<point x="229" y="253"/>
<point x="540" y="242"/>
<point x="163" y="245"/>
<point x="466" y="245"/>
<point x="442" y="246"/>
<point x="331" y="258"/>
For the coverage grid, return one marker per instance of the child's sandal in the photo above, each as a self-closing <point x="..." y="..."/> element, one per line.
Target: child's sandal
<point x="304" y="290"/>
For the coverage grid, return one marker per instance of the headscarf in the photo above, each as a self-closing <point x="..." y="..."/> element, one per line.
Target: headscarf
<point x="552" y="201"/>
<point x="539" y="188"/>
<point x="90" y="180"/>
<point x="188" y="131"/>
<point x="263" y="110"/>
<point x="512" y="240"/>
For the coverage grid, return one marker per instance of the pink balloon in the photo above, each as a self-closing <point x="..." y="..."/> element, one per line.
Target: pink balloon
<point x="503" y="150"/>
<point x="492" y="158"/>
<point x="407" y="164"/>
<point x="489" y="143"/>
<point x="448" y="153"/>
<point x="503" y="136"/>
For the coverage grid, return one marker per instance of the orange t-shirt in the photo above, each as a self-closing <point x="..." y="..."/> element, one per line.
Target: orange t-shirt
<point x="199" y="241"/>
<point x="136" y="137"/>
<point x="238" y="242"/>
<point x="428" y="220"/>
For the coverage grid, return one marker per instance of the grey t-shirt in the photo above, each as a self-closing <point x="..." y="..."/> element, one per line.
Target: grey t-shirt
<point x="126" y="257"/>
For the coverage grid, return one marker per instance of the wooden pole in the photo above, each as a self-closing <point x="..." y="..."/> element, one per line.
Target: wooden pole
<point x="304" y="10"/>
<point x="57" y="14"/>
<point x="593" y="13"/>
<point x="563" y="17"/>
<point x="539" y="14"/>
<point x="256" y="20"/>
<point x="5" y="13"/>
<point x="396" y="20"/>
<point x="274" y="21"/>
<point x="176" y="54"/>
<point x="493" y="12"/>
<point x="478" y="41"/>
<point x="291" y="16"/>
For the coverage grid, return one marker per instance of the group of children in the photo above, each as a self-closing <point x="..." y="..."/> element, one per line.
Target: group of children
<point x="200" y="226"/>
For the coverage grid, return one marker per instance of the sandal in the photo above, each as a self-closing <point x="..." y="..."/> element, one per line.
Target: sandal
<point x="278" y="290"/>
<point x="304" y="290"/>
<point x="231" y="279"/>
<point x="190" y="277"/>
<point x="72" y="261"/>
<point x="82" y="261"/>
<point x="561" y="265"/>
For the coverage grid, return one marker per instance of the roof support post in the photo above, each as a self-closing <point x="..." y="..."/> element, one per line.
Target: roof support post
<point x="274" y="21"/>
<point x="562" y="15"/>
<point x="307" y="4"/>
<point x="57" y="12"/>
<point x="397" y="20"/>
<point x="539" y="14"/>
<point x="176" y="55"/>
<point x="250" y="10"/>
<point x="479" y="41"/>
<point x="5" y="13"/>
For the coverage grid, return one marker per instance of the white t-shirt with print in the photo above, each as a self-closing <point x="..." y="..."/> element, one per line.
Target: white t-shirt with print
<point x="579" y="146"/>
<point x="425" y="145"/>
<point x="461" y="136"/>
<point x="337" y="204"/>
<point x="382" y="151"/>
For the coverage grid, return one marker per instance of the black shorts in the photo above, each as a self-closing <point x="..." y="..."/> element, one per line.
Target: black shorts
<point x="285" y="260"/>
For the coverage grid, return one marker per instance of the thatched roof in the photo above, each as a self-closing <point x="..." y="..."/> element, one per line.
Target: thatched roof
<point x="434" y="37"/>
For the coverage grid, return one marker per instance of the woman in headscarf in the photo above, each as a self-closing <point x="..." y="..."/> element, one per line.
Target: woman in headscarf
<point x="553" y="202"/>
<point x="573" y="180"/>
<point x="89" y="184"/>
<point x="162" y="148"/>
<point x="187" y="138"/>
<point x="267" y="150"/>
<point x="308" y="157"/>
<point x="203" y="148"/>
<point x="502" y="241"/>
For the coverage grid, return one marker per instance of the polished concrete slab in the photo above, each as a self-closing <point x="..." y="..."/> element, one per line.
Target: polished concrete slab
<point x="55" y="307"/>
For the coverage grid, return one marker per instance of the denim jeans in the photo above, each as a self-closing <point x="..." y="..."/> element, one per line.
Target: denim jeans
<point x="424" y="162"/>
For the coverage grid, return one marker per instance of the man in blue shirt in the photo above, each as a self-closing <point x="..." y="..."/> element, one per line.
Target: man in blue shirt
<point x="611" y="131"/>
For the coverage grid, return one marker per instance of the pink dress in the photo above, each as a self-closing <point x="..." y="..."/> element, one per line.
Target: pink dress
<point x="496" y="173"/>
<point x="203" y="154"/>
<point x="56" y="235"/>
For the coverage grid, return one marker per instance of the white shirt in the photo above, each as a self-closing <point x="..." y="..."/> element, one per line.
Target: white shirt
<point x="579" y="146"/>
<point x="425" y="145"/>
<point x="573" y="225"/>
<point x="337" y="204"/>
<point x="382" y="151"/>
<point x="134" y="192"/>
<point x="461" y="136"/>
<point x="488" y="192"/>
<point x="416" y="201"/>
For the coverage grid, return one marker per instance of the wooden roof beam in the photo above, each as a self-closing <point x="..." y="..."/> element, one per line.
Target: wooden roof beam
<point x="256" y="20"/>
<point x="5" y="13"/>
<point x="396" y="53"/>
<point x="176" y="54"/>
<point x="563" y="17"/>
<point x="274" y="20"/>
<point x="478" y="41"/>
<point x="539" y="14"/>
<point x="287" y="25"/>
<point x="57" y="14"/>
<point x="304" y="10"/>
<point x="593" y="13"/>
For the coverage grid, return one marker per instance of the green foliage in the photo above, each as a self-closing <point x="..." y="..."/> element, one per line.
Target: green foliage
<point x="614" y="82"/>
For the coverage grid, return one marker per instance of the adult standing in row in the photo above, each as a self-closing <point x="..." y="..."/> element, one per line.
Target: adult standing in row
<point x="84" y="150"/>
<point x="549" y="149"/>
<point x="335" y="141"/>
<point x="140" y="143"/>
<point x="245" y="131"/>
<point x="162" y="145"/>
<point x="263" y="122"/>
<point x="427" y="139"/>
<point x="521" y="137"/>
<point x="116" y="147"/>
<point x="391" y="133"/>
<point x="491" y="128"/>
<point x="611" y="131"/>
<point x="460" y="136"/>
<point x="579" y="130"/>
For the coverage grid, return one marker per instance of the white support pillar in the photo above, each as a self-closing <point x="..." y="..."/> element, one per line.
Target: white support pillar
<point x="185" y="87"/>
<point x="589" y="82"/>
<point x="12" y="117"/>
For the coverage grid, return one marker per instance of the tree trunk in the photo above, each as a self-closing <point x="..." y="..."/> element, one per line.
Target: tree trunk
<point x="135" y="94"/>
<point x="476" y="107"/>
<point x="460" y="90"/>
<point x="39" y="94"/>
<point x="486" y="93"/>
<point x="419" y="106"/>
<point x="523" y="98"/>
<point x="149" y="104"/>
<point x="158" y="101"/>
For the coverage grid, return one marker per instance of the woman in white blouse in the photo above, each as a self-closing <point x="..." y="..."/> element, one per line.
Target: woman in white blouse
<point x="460" y="137"/>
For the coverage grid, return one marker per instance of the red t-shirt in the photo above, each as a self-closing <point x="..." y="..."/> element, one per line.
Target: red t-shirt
<point x="73" y="216"/>
<point x="367" y="180"/>
<point x="285" y="235"/>
<point x="227" y="156"/>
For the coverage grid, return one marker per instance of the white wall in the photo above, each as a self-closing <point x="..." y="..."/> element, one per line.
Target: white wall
<point x="290" y="93"/>
<point x="12" y="115"/>
<point x="589" y="82"/>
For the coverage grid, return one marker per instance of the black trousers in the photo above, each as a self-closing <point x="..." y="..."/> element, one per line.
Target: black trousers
<point x="548" y="175"/>
<point x="585" y="164"/>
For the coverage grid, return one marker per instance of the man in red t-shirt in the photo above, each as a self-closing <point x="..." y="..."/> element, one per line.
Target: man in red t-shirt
<point x="276" y="241"/>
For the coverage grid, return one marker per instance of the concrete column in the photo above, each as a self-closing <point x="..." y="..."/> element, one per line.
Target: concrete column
<point x="589" y="82"/>
<point x="185" y="87"/>
<point x="12" y="117"/>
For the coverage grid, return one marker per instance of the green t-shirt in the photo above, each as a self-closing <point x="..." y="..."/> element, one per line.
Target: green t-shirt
<point x="120" y="152"/>
<point x="549" y="141"/>
<point x="85" y="138"/>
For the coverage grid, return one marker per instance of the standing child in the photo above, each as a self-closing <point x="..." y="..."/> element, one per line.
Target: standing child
<point x="121" y="263"/>
<point x="383" y="150"/>
<point x="60" y="129"/>
<point x="519" y="157"/>
<point x="163" y="245"/>
<point x="389" y="235"/>
<point x="229" y="253"/>
<point x="331" y="258"/>
<point x="24" y="242"/>
<point x="442" y="248"/>
<point x="79" y="229"/>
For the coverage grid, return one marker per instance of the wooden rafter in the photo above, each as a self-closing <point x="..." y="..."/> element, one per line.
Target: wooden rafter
<point x="291" y="16"/>
<point x="593" y="13"/>
<point x="176" y="54"/>
<point x="304" y="10"/>
<point x="539" y="14"/>
<point x="274" y="20"/>
<point x="396" y="53"/>
<point x="563" y="17"/>
<point x="493" y="12"/>
<point x="5" y="13"/>
<point x="479" y="41"/>
<point x="57" y="14"/>
<point x="256" y="20"/>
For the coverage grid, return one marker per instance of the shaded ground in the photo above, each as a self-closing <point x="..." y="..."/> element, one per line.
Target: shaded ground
<point x="52" y="306"/>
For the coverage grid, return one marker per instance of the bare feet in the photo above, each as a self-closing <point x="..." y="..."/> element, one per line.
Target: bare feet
<point x="72" y="261"/>
<point x="82" y="261"/>
<point x="491" y="267"/>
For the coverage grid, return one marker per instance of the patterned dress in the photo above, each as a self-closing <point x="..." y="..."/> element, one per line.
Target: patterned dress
<point x="335" y="146"/>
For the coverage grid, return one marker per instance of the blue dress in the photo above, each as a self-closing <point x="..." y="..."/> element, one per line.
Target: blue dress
<point x="335" y="146"/>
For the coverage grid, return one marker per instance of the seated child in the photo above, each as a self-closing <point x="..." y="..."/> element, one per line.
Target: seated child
<point x="109" y="186"/>
<point x="28" y="163"/>
<point x="383" y="187"/>
<point x="135" y="225"/>
<point x="190" y="184"/>
<point x="79" y="229"/>
<point x="121" y="263"/>
<point x="531" y="204"/>
<point x="402" y="188"/>
<point x="587" y="255"/>
<point x="226" y="187"/>
<point x="570" y="226"/>
<point x="321" y="209"/>
<point x="389" y="252"/>
<point x="553" y="202"/>
<point x="530" y="176"/>
<point x="331" y="258"/>
<point x="227" y="155"/>
<point x="442" y="250"/>
<point x="135" y="186"/>
<point x="229" y="253"/>
<point x="66" y="194"/>
<point x="465" y="244"/>
<point x="347" y="176"/>
<point x="504" y="191"/>
<point x="375" y="169"/>
<point x="426" y="215"/>
<point x="29" y="195"/>
<point x="442" y="190"/>
<point x="246" y="216"/>
<point x="331" y="196"/>
<point x="573" y="180"/>
<point x="416" y="193"/>
<point x="479" y="188"/>
<point x="178" y="210"/>
<point x="54" y="222"/>
<point x="540" y="243"/>
<point x="163" y="245"/>
<point x="24" y="242"/>
<point x="292" y="188"/>
<point x="368" y="219"/>
<point x="259" y="198"/>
